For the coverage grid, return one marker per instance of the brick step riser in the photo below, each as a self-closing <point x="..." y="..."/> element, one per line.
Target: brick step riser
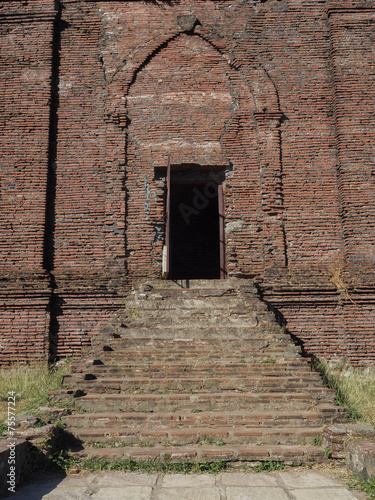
<point x="266" y="356"/>
<point x="121" y="402"/>
<point x="184" y="311"/>
<point x="186" y="334"/>
<point x="186" y="385"/>
<point x="184" y="369"/>
<point x="194" y="302"/>
<point x="314" y="394"/>
<point x="123" y="359"/>
<point x="155" y="422"/>
<point x="269" y="382"/>
<point x="141" y="359"/>
<point x="171" y="439"/>
<point x="220" y="406"/>
<point x="193" y="321"/>
<point x="210" y="341"/>
<point x="220" y="335"/>
<point x="174" y="340"/>
<point x="197" y="318"/>
<point x="290" y="455"/>
<point x="120" y="361"/>
<point x="208" y="345"/>
<point x="215" y="286"/>
<point x="189" y="284"/>
<point x="251" y="384"/>
<point x="211" y="293"/>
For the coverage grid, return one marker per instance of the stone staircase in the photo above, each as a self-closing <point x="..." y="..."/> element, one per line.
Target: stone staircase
<point x="197" y="371"/>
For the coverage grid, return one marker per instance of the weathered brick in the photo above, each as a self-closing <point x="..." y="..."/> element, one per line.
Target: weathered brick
<point x="95" y="95"/>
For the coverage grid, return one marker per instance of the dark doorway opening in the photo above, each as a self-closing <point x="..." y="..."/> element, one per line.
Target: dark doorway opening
<point x="194" y="230"/>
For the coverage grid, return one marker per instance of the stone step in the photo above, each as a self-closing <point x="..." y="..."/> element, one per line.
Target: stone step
<point x="220" y="436"/>
<point x="206" y="402"/>
<point x="183" y="370"/>
<point x="186" y="293"/>
<point x="198" y="384"/>
<point x="220" y="304"/>
<point x="196" y="289"/>
<point x="117" y="360"/>
<point x="196" y="318"/>
<point x="265" y="355"/>
<point x="289" y="454"/>
<point x="175" y="316"/>
<point x="252" y="347"/>
<point x="186" y="339"/>
<point x="262" y="351"/>
<point x="194" y="284"/>
<point x="321" y="414"/>
<point x="132" y="339"/>
<point x="193" y="366"/>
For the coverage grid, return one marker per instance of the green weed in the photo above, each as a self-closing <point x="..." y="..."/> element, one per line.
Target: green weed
<point x="95" y="464"/>
<point x="40" y="423"/>
<point x="209" y="441"/>
<point x="269" y="465"/>
<point x="98" y="445"/>
<point x="316" y="440"/>
<point x="3" y="428"/>
<point x="359" y="482"/>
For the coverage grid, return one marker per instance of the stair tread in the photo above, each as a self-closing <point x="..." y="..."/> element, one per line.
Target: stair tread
<point x="293" y="454"/>
<point x="198" y="396"/>
<point x="204" y="431"/>
<point x="248" y="415"/>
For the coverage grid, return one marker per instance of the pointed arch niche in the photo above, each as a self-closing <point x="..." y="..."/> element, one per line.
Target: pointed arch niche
<point x="187" y="100"/>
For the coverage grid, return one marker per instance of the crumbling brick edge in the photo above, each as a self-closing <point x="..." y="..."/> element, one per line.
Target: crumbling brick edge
<point x="355" y="443"/>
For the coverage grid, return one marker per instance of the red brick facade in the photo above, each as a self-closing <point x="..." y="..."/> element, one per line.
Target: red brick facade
<point x="276" y="97"/>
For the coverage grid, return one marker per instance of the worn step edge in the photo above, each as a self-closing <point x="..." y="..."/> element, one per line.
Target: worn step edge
<point x="202" y="396"/>
<point x="242" y="418"/>
<point x="139" y="436"/>
<point x="290" y="455"/>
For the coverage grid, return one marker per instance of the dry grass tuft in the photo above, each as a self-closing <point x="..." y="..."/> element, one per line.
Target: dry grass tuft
<point x="355" y="388"/>
<point x="337" y="270"/>
<point x="31" y="385"/>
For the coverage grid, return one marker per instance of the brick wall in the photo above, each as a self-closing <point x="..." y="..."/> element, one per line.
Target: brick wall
<point x="25" y="83"/>
<point x="275" y="95"/>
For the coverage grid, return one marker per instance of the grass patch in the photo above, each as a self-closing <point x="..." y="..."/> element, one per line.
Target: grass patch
<point x="355" y="387"/>
<point x="31" y="385"/>
<point x="358" y="482"/>
<point x="268" y="466"/>
<point x="165" y="466"/>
